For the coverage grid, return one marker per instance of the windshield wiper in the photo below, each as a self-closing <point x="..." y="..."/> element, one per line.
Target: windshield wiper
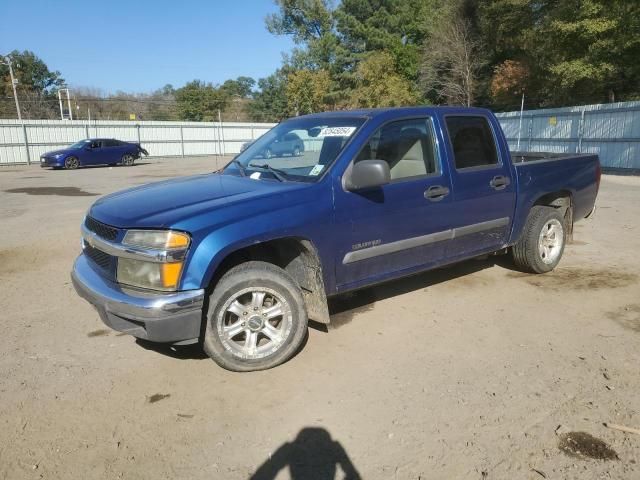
<point x="241" y="168"/>
<point x="281" y="175"/>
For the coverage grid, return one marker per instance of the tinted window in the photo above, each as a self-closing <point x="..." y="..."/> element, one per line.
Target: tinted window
<point x="291" y="137"/>
<point x="110" y="143"/>
<point x="406" y="145"/>
<point x="472" y="141"/>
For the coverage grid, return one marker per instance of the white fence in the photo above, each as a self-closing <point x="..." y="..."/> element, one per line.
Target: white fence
<point x="610" y="130"/>
<point x="25" y="142"/>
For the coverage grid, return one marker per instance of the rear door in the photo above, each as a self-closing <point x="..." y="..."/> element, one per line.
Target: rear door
<point x="484" y="190"/>
<point x="112" y="151"/>
<point x="401" y="226"/>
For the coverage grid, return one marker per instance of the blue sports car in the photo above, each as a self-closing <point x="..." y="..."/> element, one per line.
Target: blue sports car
<point x="93" y="151"/>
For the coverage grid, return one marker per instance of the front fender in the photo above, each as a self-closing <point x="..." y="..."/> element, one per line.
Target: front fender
<point x="310" y="219"/>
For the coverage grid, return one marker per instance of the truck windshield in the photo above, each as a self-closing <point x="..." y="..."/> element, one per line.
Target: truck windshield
<point x="300" y="149"/>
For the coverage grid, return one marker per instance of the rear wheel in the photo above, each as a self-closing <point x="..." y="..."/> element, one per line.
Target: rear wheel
<point x="296" y="152"/>
<point x="256" y="318"/>
<point x="127" y="160"/>
<point x="268" y="153"/>
<point x="541" y="245"/>
<point x="71" y="163"/>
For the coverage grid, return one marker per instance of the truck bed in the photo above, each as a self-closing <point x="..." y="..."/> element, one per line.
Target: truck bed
<point x="525" y="157"/>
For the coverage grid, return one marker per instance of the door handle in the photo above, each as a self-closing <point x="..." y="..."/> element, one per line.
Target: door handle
<point x="436" y="193"/>
<point x="499" y="182"/>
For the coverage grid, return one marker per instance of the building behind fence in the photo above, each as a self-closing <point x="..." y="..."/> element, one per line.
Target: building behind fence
<point x="610" y="130"/>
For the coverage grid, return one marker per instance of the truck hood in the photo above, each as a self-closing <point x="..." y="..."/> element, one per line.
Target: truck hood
<point x="163" y="204"/>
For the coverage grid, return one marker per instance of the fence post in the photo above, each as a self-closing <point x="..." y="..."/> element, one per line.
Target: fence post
<point x="530" y="134"/>
<point x="181" y="141"/>
<point x="580" y="132"/>
<point x="26" y="143"/>
<point x="138" y="131"/>
<point x="86" y="129"/>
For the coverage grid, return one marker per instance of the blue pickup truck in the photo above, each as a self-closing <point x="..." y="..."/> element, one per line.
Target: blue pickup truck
<point x="242" y="258"/>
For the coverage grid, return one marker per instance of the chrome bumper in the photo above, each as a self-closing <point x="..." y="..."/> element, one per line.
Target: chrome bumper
<point x="159" y="317"/>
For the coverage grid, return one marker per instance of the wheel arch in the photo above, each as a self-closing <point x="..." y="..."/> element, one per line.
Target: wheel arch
<point x="297" y="256"/>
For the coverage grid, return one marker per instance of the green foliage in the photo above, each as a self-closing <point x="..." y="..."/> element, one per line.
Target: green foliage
<point x="270" y="102"/>
<point x="307" y="91"/>
<point x="240" y="87"/>
<point x="37" y="86"/>
<point x="199" y="101"/>
<point x="379" y="85"/>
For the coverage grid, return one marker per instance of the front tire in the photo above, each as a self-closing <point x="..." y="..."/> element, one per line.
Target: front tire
<point x="541" y="245"/>
<point x="256" y="318"/>
<point x="296" y="152"/>
<point x="71" y="163"/>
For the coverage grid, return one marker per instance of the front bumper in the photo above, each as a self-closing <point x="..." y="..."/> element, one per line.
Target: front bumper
<point x="46" y="162"/>
<point x="155" y="316"/>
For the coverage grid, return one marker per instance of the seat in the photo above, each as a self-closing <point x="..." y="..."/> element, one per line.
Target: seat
<point x="409" y="155"/>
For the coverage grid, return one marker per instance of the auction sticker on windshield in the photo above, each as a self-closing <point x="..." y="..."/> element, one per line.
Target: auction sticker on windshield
<point x="316" y="170"/>
<point x="337" y="131"/>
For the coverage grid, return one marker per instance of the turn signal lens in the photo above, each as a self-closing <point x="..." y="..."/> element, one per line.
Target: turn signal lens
<point x="159" y="239"/>
<point x="177" y="240"/>
<point x="171" y="274"/>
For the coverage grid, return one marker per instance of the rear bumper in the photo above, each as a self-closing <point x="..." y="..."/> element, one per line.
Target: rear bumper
<point x="158" y="317"/>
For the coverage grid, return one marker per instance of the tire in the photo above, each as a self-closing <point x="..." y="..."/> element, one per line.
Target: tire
<point x="71" y="163"/>
<point x="268" y="153"/>
<point x="541" y="245"/>
<point x="243" y="303"/>
<point x="296" y="152"/>
<point x="127" y="160"/>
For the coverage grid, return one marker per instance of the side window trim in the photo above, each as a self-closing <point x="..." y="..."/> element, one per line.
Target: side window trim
<point x="490" y="166"/>
<point x="435" y="144"/>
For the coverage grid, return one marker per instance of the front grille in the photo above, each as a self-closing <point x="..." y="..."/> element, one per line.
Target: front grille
<point x="102" y="230"/>
<point x="103" y="260"/>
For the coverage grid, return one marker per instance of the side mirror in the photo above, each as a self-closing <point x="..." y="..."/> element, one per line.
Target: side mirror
<point x="367" y="174"/>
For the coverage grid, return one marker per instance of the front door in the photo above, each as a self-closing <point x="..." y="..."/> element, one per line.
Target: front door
<point x="484" y="190"/>
<point x="404" y="225"/>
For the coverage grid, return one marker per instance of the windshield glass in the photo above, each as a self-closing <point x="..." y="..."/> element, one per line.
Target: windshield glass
<point x="80" y="144"/>
<point x="300" y="149"/>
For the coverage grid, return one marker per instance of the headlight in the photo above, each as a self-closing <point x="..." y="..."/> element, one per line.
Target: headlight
<point x="157" y="239"/>
<point x="156" y="275"/>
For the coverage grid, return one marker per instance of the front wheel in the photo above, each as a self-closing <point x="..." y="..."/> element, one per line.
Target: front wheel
<point x="268" y="153"/>
<point x="542" y="242"/>
<point x="71" y="163"/>
<point x="256" y="318"/>
<point x="296" y="152"/>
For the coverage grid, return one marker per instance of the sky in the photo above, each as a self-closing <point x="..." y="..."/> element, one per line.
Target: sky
<point x="142" y="45"/>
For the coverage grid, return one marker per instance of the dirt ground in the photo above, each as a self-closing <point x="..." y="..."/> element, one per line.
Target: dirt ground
<point x="475" y="371"/>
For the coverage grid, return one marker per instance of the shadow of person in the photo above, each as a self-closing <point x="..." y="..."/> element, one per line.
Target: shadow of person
<point x="313" y="455"/>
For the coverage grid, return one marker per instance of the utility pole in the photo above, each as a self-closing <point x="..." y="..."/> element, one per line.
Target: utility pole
<point x="520" y="123"/>
<point x="7" y="61"/>
<point x="68" y="103"/>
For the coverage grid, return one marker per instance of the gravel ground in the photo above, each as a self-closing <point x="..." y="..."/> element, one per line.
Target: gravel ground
<point x="474" y="371"/>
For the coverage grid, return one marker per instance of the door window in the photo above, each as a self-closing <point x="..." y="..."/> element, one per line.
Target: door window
<point x="110" y="143"/>
<point x="472" y="142"/>
<point x="406" y="145"/>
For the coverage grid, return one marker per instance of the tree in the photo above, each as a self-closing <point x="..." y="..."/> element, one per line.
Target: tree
<point x="36" y="87"/>
<point x="394" y="26"/>
<point x="240" y="87"/>
<point x="452" y="61"/>
<point x="509" y="82"/>
<point x="379" y="85"/>
<point x="199" y="101"/>
<point x="311" y="24"/>
<point x="307" y="91"/>
<point x="270" y="102"/>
